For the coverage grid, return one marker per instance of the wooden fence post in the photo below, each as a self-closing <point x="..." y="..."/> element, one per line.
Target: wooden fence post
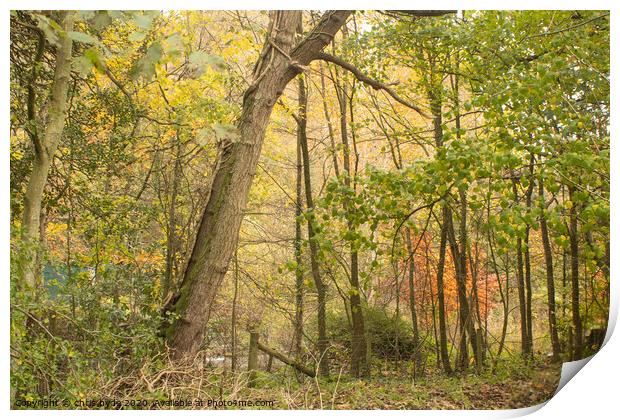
<point x="253" y="358"/>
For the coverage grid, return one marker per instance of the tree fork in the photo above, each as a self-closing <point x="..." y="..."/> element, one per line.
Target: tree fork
<point x="218" y="230"/>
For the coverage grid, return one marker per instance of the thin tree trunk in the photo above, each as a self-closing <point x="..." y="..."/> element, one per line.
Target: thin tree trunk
<point x="441" y="306"/>
<point x="45" y="148"/>
<point x="330" y="127"/>
<point x="417" y="357"/>
<point x="503" y="297"/>
<point x="574" y="277"/>
<point x="528" y="291"/>
<point x="359" y="365"/>
<point x="521" y="289"/>
<point x="435" y="103"/>
<point x="299" y="278"/>
<point x="564" y="303"/>
<point x="528" y="267"/>
<point x="233" y="319"/>
<point x="544" y="232"/>
<point x="461" y="283"/>
<point x="465" y="311"/>
<point x="322" y="343"/>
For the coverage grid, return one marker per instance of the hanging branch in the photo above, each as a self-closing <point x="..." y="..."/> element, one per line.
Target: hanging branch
<point x="375" y="84"/>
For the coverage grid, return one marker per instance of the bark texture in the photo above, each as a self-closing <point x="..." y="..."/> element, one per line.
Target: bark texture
<point x="45" y="145"/>
<point x="238" y="157"/>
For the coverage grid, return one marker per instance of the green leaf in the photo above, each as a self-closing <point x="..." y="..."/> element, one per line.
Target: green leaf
<point x="95" y="58"/>
<point x="200" y="61"/>
<point x="82" y="65"/>
<point x="86" y="14"/>
<point x="145" y="66"/>
<point x="143" y="21"/>
<point x="174" y="44"/>
<point x="136" y="36"/>
<point x="102" y="19"/>
<point x="82" y="37"/>
<point x="154" y="52"/>
<point x="49" y="28"/>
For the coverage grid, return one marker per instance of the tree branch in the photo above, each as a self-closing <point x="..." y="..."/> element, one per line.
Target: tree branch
<point x="319" y="37"/>
<point x="421" y="13"/>
<point x="375" y="84"/>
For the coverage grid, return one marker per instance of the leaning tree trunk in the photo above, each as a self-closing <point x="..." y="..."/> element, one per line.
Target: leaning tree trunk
<point x="45" y="147"/>
<point x="238" y="157"/>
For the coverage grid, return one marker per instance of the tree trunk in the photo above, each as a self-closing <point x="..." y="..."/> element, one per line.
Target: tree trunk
<point x="171" y="230"/>
<point x="330" y="127"/>
<point x="233" y="319"/>
<point x="461" y="286"/>
<point x="528" y="292"/>
<point x="359" y="365"/>
<point x="503" y="297"/>
<point x="299" y="278"/>
<point x="574" y="278"/>
<point x="464" y="308"/>
<point x="45" y="148"/>
<point x="443" y="337"/>
<point x="417" y="357"/>
<point x="436" y="109"/>
<point x="525" y="349"/>
<point x="544" y="232"/>
<point x="322" y="343"/>
<point x="238" y="157"/>
<point x="528" y="267"/>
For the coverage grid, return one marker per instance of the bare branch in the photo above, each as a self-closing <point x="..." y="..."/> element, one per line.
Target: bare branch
<point x="375" y="84"/>
<point x="421" y="13"/>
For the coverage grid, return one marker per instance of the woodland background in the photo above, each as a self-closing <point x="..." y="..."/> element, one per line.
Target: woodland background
<point x="378" y="209"/>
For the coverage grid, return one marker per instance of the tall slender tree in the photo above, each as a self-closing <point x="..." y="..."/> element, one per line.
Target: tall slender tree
<point x="45" y="130"/>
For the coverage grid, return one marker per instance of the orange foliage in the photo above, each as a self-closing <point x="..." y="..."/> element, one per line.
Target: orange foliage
<point x="425" y="281"/>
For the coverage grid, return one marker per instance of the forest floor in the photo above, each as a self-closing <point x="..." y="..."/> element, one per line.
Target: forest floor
<point x="487" y="391"/>
<point x="510" y="384"/>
